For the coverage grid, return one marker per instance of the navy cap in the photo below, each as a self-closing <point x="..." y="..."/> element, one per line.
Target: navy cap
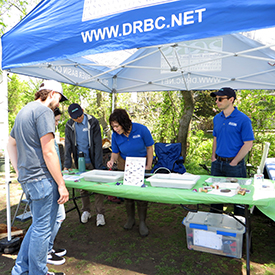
<point x="224" y="92"/>
<point x="75" y="111"/>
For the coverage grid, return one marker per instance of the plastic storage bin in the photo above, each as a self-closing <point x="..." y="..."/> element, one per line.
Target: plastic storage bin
<point x="173" y="180"/>
<point x="214" y="233"/>
<point x="103" y="176"/>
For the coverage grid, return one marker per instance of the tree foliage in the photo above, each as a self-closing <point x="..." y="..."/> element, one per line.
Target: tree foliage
<point x="173" y="116"/>
<point x="7" y="9"/>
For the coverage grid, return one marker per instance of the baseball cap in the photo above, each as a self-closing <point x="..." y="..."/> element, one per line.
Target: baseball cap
<point x="53" y="86"/>
<point x="226" y="91"/>
<point x="75" y="111"/>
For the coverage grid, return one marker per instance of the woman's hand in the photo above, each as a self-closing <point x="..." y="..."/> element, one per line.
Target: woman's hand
<point x="110" y="164"/>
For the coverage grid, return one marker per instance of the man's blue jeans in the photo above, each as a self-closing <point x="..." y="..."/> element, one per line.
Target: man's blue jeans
<point x="61" y="215"/>
<point x="32" y="257"/>
<point x="224" y="169"/>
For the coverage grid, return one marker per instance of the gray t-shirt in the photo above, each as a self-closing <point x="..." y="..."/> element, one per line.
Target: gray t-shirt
<point x="33" y="121"/>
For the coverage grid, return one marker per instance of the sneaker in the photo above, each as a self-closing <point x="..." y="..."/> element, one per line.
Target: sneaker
<point x="60" y="252"/>
<point x="54" y="259"/>
<point x="85" y="216"/>
<point x="100" y="221"/>
<point x="55" y="273"/>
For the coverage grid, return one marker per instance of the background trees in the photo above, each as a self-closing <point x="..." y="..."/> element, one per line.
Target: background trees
<point x="172" y="116"/>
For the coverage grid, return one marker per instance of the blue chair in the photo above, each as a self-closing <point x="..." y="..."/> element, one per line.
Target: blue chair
<point x="168" y="158"/>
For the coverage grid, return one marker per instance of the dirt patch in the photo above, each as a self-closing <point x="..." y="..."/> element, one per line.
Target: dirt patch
<point x="112" y="250"/>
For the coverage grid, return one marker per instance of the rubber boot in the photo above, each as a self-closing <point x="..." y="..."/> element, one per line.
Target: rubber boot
<point x="142" y="213"/>
<point x="130" y="210"/>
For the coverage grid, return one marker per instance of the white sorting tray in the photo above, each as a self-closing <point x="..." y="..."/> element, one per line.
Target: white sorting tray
<point x="103" y="176"/>
<point x="173" y="180"/>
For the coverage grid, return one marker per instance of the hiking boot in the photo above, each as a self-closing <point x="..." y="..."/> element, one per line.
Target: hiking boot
<point x="54" y="259"/>
<point x="60" y="252"/>
<point x="100" y="221"/>
<point x="85" y="216"/>
<point x="142" y="213"/>
<point x="130" y="210"/>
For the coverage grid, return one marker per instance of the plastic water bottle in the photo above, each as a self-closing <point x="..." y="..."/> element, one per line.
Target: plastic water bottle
<point x="81" y="162"/>
<point x="258" y="179"/>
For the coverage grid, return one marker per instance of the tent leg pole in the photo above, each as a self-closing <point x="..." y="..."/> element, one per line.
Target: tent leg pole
<point x="113" y="101"/>
<point x="247" y="235"/>
<point x="4" y="85"/>
<point x="8" y="210"/>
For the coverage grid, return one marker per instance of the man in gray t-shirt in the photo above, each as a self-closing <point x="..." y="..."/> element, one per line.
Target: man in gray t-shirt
<point x="34" y="158"/>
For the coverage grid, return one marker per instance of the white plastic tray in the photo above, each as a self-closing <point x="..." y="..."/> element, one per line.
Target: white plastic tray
<point x="182" y="181"/>
<point x="103" y="176"/>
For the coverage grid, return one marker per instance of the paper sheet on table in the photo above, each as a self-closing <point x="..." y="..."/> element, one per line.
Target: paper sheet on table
<point x="72" y="177"/>
<point x="227" y="180"/>
<point x="207" y="239"/>
<point x="225" y="194"/>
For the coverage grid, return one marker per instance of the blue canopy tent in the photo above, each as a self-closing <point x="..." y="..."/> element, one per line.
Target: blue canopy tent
<point x="65" y="29"/>
<point x="58" y="38"/>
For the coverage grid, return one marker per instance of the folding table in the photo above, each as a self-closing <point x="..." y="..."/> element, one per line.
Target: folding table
<point x="265" y="201"/>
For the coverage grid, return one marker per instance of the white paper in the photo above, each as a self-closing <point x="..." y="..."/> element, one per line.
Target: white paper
<point x="207" y="239"/>
<point x="134" y="171"/>
<point x="72" y="177"/>
<point x="225" y="194"/>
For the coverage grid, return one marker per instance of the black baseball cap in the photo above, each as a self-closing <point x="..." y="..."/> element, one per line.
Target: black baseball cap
<point x="75" y="111"/>
<point x="226" y="91"/>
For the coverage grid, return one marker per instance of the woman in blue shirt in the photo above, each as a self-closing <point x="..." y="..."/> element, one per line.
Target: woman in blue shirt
<point x="131" y="139"/>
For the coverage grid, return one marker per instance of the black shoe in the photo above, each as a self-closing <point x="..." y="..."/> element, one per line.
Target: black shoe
<point x="60" y="252"/>
<point x="54" y="259"/>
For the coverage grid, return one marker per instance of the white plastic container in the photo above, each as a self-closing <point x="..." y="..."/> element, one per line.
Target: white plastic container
<point x="258" y="179"/>
<point x="173" y="180"/>
<point x="214" y="233"/>
<point x="103" y="176"/>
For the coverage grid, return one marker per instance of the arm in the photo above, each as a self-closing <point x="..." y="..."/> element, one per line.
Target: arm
<point x="242" y="153"/>
<point x="97" y="140"/>
<point x="149" y="157"/>
<point x="114" y="157"/>
<point x="52" y="162"/>
<point x="214" y="146"/>
<point x="68" y="149"/>
<point x="12" y="151"/>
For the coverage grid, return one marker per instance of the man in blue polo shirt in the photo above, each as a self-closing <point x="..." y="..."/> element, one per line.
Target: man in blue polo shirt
<point x="233" y="138"/>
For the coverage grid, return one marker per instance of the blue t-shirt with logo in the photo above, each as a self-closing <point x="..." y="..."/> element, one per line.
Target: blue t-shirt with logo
<point x="82" y="138"/>
<point x="134" y="145"/>
<point x="231" y="132"/>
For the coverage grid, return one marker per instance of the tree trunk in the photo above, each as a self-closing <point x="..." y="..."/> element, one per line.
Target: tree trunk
<point x="103" y="120"/>
<point x="185" y="120"/>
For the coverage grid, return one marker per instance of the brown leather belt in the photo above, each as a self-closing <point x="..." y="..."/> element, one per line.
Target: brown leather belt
<point x="224" y="159"/>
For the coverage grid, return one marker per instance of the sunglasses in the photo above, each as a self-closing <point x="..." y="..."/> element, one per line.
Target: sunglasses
<point x="220" y="99"/>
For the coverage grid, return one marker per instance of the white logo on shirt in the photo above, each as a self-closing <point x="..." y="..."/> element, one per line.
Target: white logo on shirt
<point x="232" y="124"/>
<point x="85" y="129"/>
<point x="136" y="136"/>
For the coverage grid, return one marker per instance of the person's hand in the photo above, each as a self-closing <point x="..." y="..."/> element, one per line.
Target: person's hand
<point x="110" y="164"/>
<point x="67" y="169"/>
<point x="64" y="194"/>
<point x="233" y="163"/>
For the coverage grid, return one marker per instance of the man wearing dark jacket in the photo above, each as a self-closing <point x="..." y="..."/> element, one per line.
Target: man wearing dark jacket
<point x="82" y="134"/>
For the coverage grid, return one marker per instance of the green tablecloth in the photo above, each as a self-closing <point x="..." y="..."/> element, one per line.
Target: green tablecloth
<point x="264" y="200"/>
